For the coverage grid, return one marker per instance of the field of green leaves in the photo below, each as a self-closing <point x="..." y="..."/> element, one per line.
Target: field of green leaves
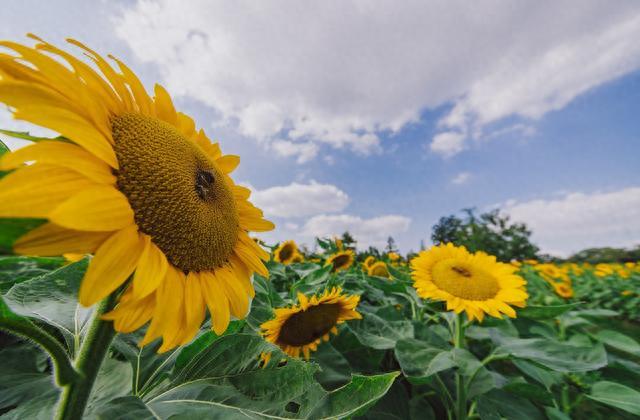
<point x="562" y="356"/>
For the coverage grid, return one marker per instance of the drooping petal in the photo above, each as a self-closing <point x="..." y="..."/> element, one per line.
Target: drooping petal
<point x="112" y="264"/>
<point x="151" y="270"/>
<point x="216" y="301"/>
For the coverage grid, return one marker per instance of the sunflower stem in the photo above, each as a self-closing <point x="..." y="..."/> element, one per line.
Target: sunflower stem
<point x="461" y="390"/>
<point x="93" y="350"/>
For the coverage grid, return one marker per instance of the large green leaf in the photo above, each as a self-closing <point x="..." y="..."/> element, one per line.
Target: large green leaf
<point x="616" y="395"/>
<point x="499" y="404"/>
<point x="12" y="229"/>
<point x="419" y="361"/>
<point x="52" y="299"/>
<point x="225" y="381"/>
<point x="618" y="341"/>
<point x="380" y="334"/>
<point x="561" y="357"/>
<point x="546" y="312"/>
<point x="16" y="269"/>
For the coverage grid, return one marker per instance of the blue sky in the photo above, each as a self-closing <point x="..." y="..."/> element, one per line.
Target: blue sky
<point x="383" y="119"/>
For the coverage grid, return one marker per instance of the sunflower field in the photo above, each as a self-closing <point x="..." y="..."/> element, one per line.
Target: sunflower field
<point x="134" y="286"/>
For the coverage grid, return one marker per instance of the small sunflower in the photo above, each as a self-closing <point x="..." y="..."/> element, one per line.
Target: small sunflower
<point x="393" y="256"/>
<point x="300" y="328"/>
<point x="341" y="260"/>
<point x="286" y="252"/>
<point x="378" y="269"/>
<point x="132" y="181"/>
<point x="563" y="290"/>
<point x="298" y="258"/>
<point x="477" y="284"/>
<point x="368" y="262"/>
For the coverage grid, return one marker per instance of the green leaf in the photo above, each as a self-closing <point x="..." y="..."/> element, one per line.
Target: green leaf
<point x="546" y="312"/>
<point x="334" y="368"/>
<point x="24" y="135"/>
<point x="18" y="269"/>
<point x="3" y="148"/>
<point x="204" y="341"/>
<point x="498" y="404"/>
<point x="616" y="395"/>
<point x="542" y="375"/>
<point x="225" y="380"/>
<point x="561" y="357"/>
<point x="125" y="408"/>
<point x="375" y="332"/>
<point x="419" y="361"/>
<point x="555" y="414"/>
<point x="529" y="391"/>
<point x="52" y="299"/>
<point x="618" y="341"/>
<point x="12" y="229"/>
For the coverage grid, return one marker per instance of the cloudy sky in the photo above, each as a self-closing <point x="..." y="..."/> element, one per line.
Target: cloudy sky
<point x="380" y="117"/>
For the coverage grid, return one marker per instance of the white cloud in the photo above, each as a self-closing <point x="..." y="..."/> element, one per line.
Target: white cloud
<point x="300" y="200"/>
<point x="342" y="73"/>
<point x="368" y="232"/>
<point x="304" y="151"/>
<point x="448" y="143"/>
<point x="578" y="220"/>
<point x="461" y="178"/>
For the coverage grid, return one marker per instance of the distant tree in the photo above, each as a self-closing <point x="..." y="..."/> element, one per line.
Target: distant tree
<point x="348" y="241"/>
<point x="606" y="255"/>
<point x="391" y="245"/>
<point x="491" y="232"/>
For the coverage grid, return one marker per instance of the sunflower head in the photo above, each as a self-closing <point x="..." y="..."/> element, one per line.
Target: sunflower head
<point x="131" y="180"/>
<point x="301" y="327"/>
<point x="286" y="253"/>
<point x="476" y="284"/>
<point x="368" y="262"/>
<point x="341" y="260"/>
<point x="393" y="256"/>
<point x="379" y="269"/>
<point x="563" y="290"/>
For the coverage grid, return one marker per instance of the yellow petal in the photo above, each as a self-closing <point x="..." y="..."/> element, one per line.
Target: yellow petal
<point x="216" y="301"/>
<point x="256" y="225"/>
<point x="194" y="306"/>
<point x="139" y="93"/>
<point x="114" y="261"/>
<point x="169" y="297"/>
<point x="51" y="240"/>
<point x="62" y="154"/>
<point x="238" y="300"/>
<point x="73" y="127"/>
<point x="228" y="163"/>
<point x="36" y="190"/>
<point x="97" y="209"/>
<point x="164" y="106"/>
<point x="152" y="269"/>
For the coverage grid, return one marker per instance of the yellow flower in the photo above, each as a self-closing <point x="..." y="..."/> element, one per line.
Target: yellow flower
<point x="341" y="260"/>
<point x="627" y="293"/>
<point x="393" y="256"/>
<point x="476" y="284"/>
<point x="286" y="252"/>
<point x="135" y="183"/>
<point x="378" y="269"/>
<point x="298" y="258"/>
<point x="563" y="290"/>
<point x="368" y="262"/>
<point x="300" y="328"/>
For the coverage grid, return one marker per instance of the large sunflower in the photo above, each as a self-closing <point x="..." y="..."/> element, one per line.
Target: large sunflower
<point x="132" y="181"/>
<point x="475" y="283"/>
<point x="341" y="260"/>
<point x="302" y="327"/>
<point x="286" y="253"/>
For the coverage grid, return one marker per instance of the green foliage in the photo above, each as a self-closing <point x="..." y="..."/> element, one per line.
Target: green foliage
<point x="558" y="359"/>
<point x="490" y="232"/>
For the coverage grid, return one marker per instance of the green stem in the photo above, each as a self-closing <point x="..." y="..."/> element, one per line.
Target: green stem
<point x="566" y="404"/>
<point x="94" y="348"/>
<point x="461" y="390"/>
<point x="64" y="372"/>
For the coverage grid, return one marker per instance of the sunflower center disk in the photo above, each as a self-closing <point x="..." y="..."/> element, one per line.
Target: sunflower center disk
<point x="340" y="261"/>
<point x="464" y="281"/>
<point x="178" y="195"/>
<point x="307" y="326"/>
<point x="286" y="253"/>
